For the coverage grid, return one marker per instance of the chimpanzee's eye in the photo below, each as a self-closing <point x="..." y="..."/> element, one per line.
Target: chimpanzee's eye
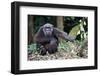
<point x="48" y="29"/>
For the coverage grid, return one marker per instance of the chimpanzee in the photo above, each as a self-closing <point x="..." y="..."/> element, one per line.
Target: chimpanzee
<point x="47" y="39"/>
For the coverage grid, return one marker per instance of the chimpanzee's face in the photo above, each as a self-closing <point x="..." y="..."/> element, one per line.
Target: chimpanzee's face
<point x="48" y="29"/>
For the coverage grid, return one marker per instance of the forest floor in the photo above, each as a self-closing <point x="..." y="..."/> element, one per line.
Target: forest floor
<point x="58" y="55"/>
<point x="67" y="51"/>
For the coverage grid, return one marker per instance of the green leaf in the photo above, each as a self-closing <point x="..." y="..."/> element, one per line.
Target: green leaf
<point x="75" y="30"/>
<point x="32" y="47"/>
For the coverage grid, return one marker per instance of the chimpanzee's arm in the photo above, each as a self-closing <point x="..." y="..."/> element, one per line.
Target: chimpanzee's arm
<point x="63" y="35"/>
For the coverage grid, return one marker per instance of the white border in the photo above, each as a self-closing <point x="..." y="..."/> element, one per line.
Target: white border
<point x="26" y="65"/>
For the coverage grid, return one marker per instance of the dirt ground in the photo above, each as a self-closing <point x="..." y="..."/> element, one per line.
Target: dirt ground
<point x="57" y="55"/>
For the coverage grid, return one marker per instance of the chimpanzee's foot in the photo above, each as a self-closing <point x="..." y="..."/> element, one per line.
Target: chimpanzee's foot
<point x="52" y="51"/>
<point x="43" y="53"/>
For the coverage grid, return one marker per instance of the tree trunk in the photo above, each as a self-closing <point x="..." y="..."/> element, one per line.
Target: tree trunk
<point x="60" y="22"/>
<point x="30" y="29"/>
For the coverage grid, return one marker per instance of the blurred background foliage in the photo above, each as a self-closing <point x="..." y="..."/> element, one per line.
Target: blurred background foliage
<point x="74" y="26"/>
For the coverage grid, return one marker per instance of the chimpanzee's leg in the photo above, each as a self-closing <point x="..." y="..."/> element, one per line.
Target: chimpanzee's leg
<point x="41" y="49"/>
<point x="52" y="50"/>
<point x="52" y="47"/>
